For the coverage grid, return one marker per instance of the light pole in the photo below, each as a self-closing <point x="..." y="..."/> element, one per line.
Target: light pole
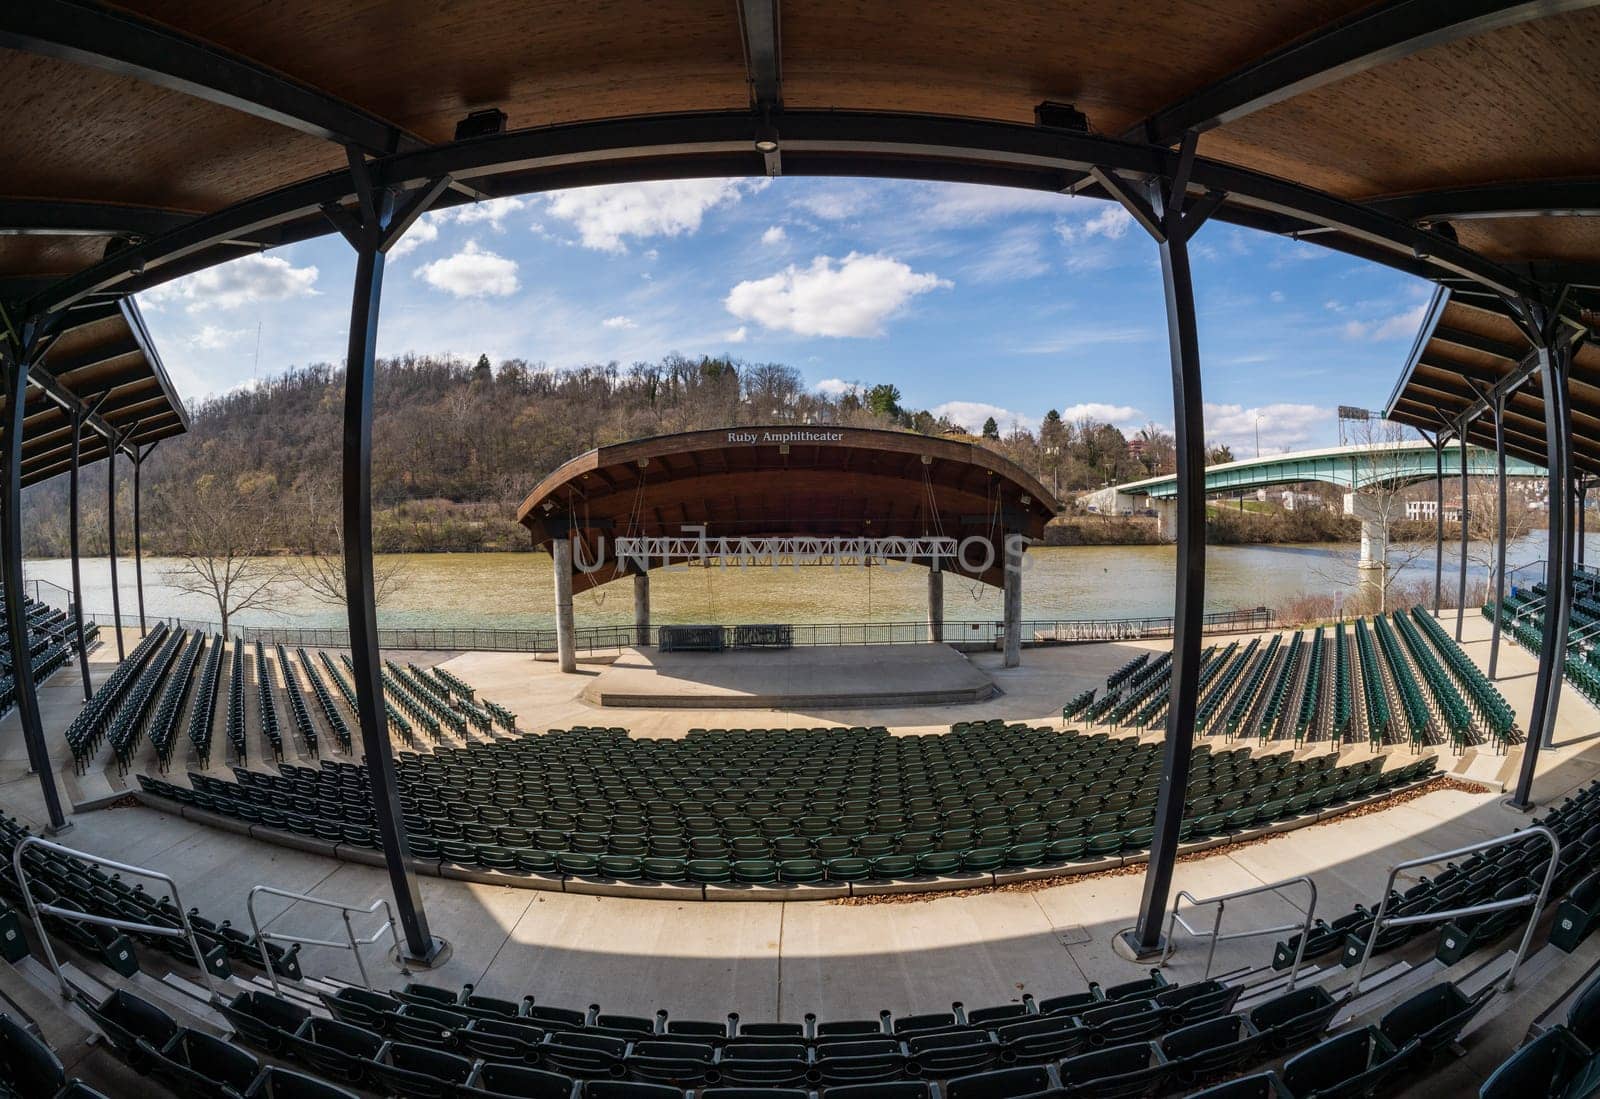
<point x="1258" y="436"/>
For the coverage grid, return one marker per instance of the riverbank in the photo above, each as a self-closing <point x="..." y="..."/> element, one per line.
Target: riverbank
<point x="1225" y="526"/>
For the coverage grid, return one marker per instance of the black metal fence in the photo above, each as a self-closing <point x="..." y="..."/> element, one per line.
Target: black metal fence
<point x="1035" y="632"/>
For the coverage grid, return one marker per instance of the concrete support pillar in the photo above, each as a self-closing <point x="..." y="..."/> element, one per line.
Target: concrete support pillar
<point x="936" y="602"/>
<point x="641" y="607"/>
<point x="1374" y="532"/>
<point x="1015" y="545"/>
<point x="1167" y="519"/>
<point x="561" y="555"/>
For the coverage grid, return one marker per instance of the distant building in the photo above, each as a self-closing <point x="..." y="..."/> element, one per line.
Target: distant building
<point x="1427" y="509"/>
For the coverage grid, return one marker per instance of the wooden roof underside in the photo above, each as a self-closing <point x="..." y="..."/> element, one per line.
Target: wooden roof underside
<point x="1455" y="141"/>
<point x="102" y="362"/>
<point x="1466" y="350"/>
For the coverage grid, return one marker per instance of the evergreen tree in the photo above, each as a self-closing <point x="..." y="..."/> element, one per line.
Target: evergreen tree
<point x="991" y="430"/>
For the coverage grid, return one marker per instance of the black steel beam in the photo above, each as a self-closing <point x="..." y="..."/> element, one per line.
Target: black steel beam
<point x="1461" y="584"/>
<point x="1373" y="37"/>
<point x="1531" y="198"/>
<point x="371" y="238"/>
<point x="72" y="543"/>
<point x="1146" y="940"/>
<point x="1555" y="363"/>
<point x="57" y="218"/>
<point x="759" y="25"/>
<point x="120" y="42"/>
<point x="1500" y="536"/>
<point x="138" y="536"/>
<point x="839" y="142"/>
<point x="15" y="367"/>
<point x="111" y="551"/>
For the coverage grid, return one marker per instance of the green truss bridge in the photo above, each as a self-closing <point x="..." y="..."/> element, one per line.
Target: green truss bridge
<point x="1356" y="469"/>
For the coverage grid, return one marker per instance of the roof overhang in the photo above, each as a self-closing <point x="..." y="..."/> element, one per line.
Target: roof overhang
<point x="782" y="481"/>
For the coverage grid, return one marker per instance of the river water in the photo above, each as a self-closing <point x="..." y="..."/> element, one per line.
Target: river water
<point x="514" y="590"/>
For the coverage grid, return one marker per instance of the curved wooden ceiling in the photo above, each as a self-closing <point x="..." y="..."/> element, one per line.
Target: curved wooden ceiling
<point x="1388" y="130"/>
<point x="785" y="481"/>
<point x="100" y="360"/>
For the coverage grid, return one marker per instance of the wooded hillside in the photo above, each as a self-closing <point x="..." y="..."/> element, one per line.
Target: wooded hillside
<point x="458" y="445"/>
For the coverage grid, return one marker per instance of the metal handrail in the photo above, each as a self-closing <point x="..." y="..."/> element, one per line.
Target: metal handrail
<point x="39" y="911"/>
<point x="1537" y="900"/>
<point x="351" y="943"/>
<point x="1221" y="901"/>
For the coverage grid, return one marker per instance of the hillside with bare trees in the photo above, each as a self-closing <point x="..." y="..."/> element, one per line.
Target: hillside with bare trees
<point x="458" y="444"/>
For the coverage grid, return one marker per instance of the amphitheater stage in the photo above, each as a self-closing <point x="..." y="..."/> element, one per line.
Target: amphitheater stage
<point x="854" y="676"/>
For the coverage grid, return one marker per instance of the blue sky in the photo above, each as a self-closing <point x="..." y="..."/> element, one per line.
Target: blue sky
<point x="973" y="300"/>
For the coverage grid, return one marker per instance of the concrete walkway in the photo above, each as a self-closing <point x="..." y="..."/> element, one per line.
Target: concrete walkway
<point x="785" y="959"/>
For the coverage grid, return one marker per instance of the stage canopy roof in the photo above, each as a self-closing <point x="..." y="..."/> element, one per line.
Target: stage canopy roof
<point x="152" y="138"/>
<point x="786" y="481"/>
<point x="101" y="361"/>
<point x="1466" y="348"/>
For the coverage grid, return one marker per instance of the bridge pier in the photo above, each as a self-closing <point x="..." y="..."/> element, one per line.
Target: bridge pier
<point x="1166" y="519"/>
<point x="1374" y="530"/>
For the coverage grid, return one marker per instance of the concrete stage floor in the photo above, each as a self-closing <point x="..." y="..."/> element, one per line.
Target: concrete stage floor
<point x="786" y="679"/>
<point x="783" y="959"/>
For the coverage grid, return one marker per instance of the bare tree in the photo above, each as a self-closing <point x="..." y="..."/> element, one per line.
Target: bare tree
<point x="1483" y="529"/>
<point x="319" y="562"/>
<point x="1381" y="506"/>
<point x="221" y="525"/>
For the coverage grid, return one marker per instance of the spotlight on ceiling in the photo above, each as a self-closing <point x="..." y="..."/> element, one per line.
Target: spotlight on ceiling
<point x="484" y="123"/>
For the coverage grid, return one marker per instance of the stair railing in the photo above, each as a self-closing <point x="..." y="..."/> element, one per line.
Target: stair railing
<point x="38" y="911"/>
<point x="1535" y="900"/>
<point x="352" y="942"/>
<point x="1215" y="934"/>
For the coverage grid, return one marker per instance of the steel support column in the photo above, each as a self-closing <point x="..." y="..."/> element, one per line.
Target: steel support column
<point x="371" y="230"/>
<point x="111" y="540"/>
<point x="138" y="538"/>
<point x="1583" y="506"/>
<point x="16" y="379"/>
<point x="1499" y="410"/>
<point x="1555" y="360"/>
<point x="72" y="546"/>
<point x="1461" y="578"/>
<point x="1438" y="521"/>
<point x="1165" y="218"/>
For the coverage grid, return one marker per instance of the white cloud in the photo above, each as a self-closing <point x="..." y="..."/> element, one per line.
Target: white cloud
<point x="1015" y="254"/>
<point x="619" y="321"/>
<point x="1086" y="336"/>
<point x="836" y="387"/>
<point x="254" y="278"/>
<point x="1398" y="326"/>
<point x="493" y="210"/>
<point x="605" y="215"/>
<point x="1111" y="223"/>
<point x="835" y="203"/>
<point x="774" y="235"/>
<point x="1276" y="295"/>
<point x="971" y="414"/>
<point x="1101" y="412"/>
<point x="212" y="338"/>
<point x="961" y="204"/>
<point x="738" y="335"/>
<point x="472" y="272"/>
<point x="853" y="297"/>
<point x="1282" y="426"/>
<point x="425" y="230"/>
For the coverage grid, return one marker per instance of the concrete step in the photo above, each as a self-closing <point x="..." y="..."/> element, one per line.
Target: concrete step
<point x="187" y="1010"/>
<point x="42" y="1007"/>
